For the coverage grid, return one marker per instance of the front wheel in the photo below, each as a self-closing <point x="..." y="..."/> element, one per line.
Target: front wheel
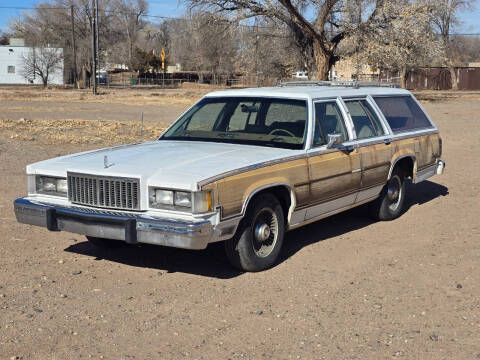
<point x="389" y="205"/>
<point x="259" y="237"/>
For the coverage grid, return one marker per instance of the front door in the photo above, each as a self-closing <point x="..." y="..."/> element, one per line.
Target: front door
<point x="334" y="173"/>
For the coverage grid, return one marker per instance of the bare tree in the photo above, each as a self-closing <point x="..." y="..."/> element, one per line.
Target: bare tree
<point x="42" y="62"/>
<point x="407" y="42"/>
<point x="205" y="42"/>
<point x="318" y="39"/>
<point x="468" y="47"/>
<point x="445" y="19"/>
<point x="268" y="51"/>
<point x="130" y="14"/>
<point x="3" y="39"/>
<point x="51" y="23"/>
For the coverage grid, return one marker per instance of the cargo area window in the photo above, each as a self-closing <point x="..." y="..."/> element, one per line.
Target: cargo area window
<point x="402" y="113"/>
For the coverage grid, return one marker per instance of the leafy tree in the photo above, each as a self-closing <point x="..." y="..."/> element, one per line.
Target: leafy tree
<point x="406" y="42"/>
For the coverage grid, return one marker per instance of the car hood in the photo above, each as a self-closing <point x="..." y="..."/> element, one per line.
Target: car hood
<point x="171" y="164"/>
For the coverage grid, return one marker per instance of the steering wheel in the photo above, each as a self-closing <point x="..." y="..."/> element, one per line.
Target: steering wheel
<point x="274" y="131"/>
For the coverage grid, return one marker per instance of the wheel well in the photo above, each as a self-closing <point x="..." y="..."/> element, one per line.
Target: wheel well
<point x="406" y="164"/>
<point x="281" y="192"/>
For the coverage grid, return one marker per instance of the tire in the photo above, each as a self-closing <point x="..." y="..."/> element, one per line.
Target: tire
<point x="105" y="243"/>
<point x="389" y="205"/>
<point x="259" y="237"/>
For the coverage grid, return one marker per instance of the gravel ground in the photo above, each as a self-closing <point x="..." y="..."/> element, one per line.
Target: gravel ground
<point x="345" y="288"/>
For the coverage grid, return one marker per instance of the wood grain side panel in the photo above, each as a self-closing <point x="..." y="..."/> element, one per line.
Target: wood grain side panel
<point x="234" y="190"/>
<point x="376" y="161"/>
<point x="331" y="175"/>
<point x="426" y="149"/>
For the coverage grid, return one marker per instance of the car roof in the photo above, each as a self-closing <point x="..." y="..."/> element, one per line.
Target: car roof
<point x="310" y="92"/>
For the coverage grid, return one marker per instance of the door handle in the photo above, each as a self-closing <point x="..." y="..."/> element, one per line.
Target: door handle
<point x="387" y="141"/>
<point x="347" y="148"/>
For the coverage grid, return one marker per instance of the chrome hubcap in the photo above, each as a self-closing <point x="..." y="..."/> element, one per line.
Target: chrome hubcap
<point x="265" y="232"/>
<point x="394" y="192"/>
<point x="262" y="232"/>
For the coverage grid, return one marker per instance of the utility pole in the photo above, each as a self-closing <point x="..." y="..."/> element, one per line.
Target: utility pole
<point x="96" y="34"/>
<point x="74" y="52"/>
<point x="94" y="48"/>
<point x="255" y="29"/>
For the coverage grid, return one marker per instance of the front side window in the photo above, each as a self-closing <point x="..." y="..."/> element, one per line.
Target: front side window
<point x="328" y="121"/>
<point x="365" y="121"/>
<point x="244" y="120"/>
<point x="402" y="113"/>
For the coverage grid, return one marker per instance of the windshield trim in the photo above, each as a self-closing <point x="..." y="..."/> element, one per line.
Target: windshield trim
<point x="269" y="144"/>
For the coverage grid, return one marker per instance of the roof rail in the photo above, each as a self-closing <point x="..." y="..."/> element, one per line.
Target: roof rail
<point x="346" y="83"/>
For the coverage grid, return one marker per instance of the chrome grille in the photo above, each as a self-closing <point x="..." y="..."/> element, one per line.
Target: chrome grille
<point x="103" y="191"/>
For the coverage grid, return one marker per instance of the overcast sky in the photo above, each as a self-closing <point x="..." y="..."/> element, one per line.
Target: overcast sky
<point x="174" y="8"/>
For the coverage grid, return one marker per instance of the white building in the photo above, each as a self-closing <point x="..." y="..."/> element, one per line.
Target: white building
<point x="12" y="63"/>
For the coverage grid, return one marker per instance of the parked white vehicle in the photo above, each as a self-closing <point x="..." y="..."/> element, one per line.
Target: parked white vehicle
<point x="244" y="167"/>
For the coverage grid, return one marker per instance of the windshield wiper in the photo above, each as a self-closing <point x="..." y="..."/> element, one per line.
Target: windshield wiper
<point x="226" y="135"/>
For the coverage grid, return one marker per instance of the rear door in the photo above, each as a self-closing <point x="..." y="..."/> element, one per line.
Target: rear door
<point x="334" y="174"/>
<point x="374" y="146"/>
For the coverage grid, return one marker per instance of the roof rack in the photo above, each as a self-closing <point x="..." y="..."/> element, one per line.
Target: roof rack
<point x="347" y="83"/>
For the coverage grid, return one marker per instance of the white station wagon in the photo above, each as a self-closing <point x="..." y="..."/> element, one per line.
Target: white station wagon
<point x="243" y="167"/>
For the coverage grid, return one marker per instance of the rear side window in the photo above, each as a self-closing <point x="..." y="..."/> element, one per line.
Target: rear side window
<point x="402" y="113"/>
<point x="365" y="121"/>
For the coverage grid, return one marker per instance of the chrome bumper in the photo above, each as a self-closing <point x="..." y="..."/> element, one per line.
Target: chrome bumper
<point x="128" y="227"/>
<point x="437" y="168"/>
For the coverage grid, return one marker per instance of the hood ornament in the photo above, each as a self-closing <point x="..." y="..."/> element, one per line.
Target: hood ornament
<point x="106" y="165"/>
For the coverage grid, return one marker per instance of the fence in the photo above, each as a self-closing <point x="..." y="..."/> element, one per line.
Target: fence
<point x="175" y="80"/>
<point x="468" y="78"/>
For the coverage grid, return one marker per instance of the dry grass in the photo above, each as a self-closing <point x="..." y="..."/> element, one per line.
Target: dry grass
<point x="430" y="95"/>
<point x="114" y="96"/>
<point x="68" y="131"/>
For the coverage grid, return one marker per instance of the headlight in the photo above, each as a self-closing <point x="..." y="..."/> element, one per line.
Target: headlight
<point x="51" y="185"/>
<point x="161" y="197"/>
<point x="183" y="199"/>
<point x="196" y="202"/>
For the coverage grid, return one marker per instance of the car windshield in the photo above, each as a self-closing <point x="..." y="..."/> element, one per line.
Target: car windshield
<point x="244" y="120"/>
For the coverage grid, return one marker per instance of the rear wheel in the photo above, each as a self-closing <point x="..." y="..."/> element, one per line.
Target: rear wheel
<point x="105" y="243"/>
<point x="259" y="237"/>
<point x="389" y="205"/>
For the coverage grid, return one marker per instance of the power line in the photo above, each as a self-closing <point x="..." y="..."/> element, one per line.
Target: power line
<point x="174" y="18"/>
<point x="32" y="8"/>
<point x="127" y="13"/>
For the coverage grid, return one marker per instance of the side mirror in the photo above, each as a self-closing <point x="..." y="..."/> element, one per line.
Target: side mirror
<point x="334" y="140"/>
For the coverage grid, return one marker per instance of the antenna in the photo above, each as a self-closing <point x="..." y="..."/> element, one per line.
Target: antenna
<point x="141" y="129"/>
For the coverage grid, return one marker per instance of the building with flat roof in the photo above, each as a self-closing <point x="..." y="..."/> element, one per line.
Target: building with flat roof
<point x="12" y="65"/>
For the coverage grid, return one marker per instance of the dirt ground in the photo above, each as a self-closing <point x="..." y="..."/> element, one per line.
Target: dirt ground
<point x="345" y="288"/>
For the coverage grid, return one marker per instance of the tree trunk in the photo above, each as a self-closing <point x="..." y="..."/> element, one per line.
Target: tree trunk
<point x="403" y="77"/>
<point x="453" y="77"/>
<point x="321" y="62"/>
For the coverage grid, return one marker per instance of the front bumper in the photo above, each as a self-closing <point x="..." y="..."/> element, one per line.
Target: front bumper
<point x="131" y="228"/>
